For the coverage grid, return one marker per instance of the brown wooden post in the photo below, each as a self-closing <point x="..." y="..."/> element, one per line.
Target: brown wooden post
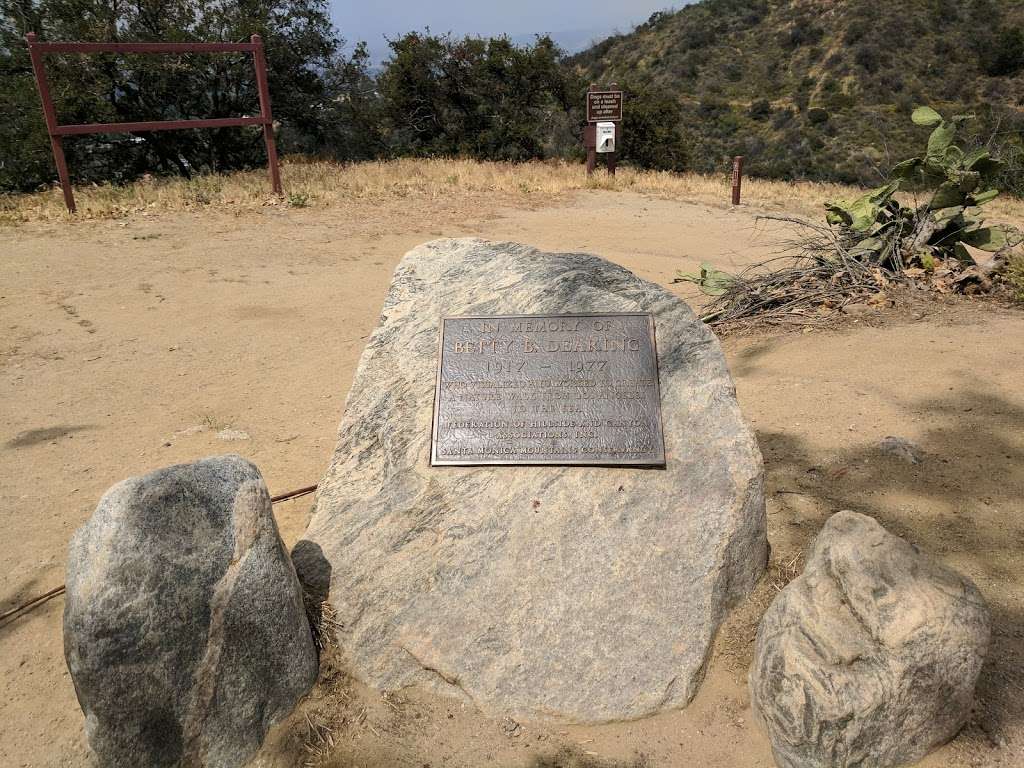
<point x="590" y="140"/>
<point x="613" y="157"/>
<point x="265" y="113"/>
<point x="50" y="115"/>
<point x="737" y="178"/>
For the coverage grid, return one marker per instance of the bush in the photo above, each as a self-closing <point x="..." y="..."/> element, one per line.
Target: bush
<point x="651" y="133"/>
<point x="817" y="116"/>
<point x="1006" y="55"/>
<point x="760" y="109"/>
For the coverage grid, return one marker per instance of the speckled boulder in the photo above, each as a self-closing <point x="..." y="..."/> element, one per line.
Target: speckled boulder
<point x="869" y="658"/>
<point x="184" y="626"/>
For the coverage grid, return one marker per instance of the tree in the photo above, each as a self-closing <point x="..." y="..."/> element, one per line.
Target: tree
<point x="651" y="133"/>
<point x="353" y="117"/>
<point x="300" y="46"/>
<point x="482" y="98"/>
<point x="1005" y="57"/>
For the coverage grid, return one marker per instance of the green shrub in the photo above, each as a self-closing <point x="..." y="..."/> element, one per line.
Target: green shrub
<point x="651" y="132"/>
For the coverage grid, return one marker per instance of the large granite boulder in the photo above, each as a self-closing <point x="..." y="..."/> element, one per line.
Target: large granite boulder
<point x="869" y="658"/>
<point x="184" y="626"/>
<point x="579" y="594"/>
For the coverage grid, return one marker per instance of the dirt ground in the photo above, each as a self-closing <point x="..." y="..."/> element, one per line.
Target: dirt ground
<point x="134" y="344"/>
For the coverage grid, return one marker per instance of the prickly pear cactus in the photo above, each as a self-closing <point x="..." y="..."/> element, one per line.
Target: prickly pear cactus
<point x="876" y="228"/>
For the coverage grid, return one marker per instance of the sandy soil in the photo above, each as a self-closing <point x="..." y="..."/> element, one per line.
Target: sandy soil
<point x="135" y="344"/>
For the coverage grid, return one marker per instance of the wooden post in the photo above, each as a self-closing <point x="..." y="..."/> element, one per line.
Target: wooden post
<point x="50" y="115"/>
<point x="737" y="179"/>
<point x="590" y="140"/>
<point x="265" y="113"/>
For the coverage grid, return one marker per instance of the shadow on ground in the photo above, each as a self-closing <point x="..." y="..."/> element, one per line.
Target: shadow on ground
<point x="575" y="758"/>
<point x="45" y="435"/>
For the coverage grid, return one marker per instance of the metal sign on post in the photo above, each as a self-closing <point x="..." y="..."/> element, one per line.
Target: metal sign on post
<point x="57" y="132"/>
<point x="604" y="106"/>
<point x="602" y="132"/>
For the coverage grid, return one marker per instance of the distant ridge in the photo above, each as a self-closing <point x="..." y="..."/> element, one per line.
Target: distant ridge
<point x="822" y="89"/>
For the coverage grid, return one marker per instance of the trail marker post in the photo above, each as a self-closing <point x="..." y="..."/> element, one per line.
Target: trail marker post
<point x="603" y="131"/>
<point x="737" y="179"/>
<point x="57" y="132"/>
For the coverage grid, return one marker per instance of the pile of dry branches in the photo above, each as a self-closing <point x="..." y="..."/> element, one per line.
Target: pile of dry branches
<point x="813" y="276"/>
<point x="817" y="275"/>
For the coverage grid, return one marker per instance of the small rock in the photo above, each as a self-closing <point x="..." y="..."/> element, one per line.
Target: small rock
<point x="902" y="449"/>
<point x="869" y="658"/>
<point x="232" y="434"/>
<point x="184" y="626"/>
<point x="511" y="728"/>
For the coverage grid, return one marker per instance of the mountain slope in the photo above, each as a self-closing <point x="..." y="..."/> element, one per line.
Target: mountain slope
<point x="823" y="88"/>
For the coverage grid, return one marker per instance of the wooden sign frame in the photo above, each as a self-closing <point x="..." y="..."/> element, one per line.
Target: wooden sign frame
<point x="56" y="131"/>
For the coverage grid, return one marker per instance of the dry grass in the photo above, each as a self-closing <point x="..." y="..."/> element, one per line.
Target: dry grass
<point x="1015" y="276"/>
<point x="324" y="184"/>
<point x="734" y="646"/>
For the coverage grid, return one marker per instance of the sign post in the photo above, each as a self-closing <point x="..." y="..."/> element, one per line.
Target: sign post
<point x="604" y="126"/>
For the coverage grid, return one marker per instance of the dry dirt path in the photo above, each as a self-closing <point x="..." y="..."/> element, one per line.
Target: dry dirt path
<point x="130" y="345"/>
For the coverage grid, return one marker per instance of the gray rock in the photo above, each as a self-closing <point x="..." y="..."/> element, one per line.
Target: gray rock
<point x="870" y="657"/>
<point x="184" y="626"/>
<point x="564" y="593"/>
<point x="902" y="449"/>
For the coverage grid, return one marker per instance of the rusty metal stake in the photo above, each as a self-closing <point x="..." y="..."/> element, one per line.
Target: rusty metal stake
<point x="268" y="119"/>
<point x="50" y="115"/>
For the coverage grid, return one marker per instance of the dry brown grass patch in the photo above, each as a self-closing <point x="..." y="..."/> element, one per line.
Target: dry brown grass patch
<point x="318" y="184"/>
<point x="324" y="184"/>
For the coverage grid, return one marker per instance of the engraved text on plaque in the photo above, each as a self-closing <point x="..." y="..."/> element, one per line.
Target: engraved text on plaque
<point x="550" y="389"/>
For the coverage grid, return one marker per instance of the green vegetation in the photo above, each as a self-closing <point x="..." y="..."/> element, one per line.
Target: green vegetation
<point x="822" y="89"/>
<point x="298" y="199"/>
<point x="877" y="228"/>
<point x="805" y="89"/>
<point x="486" y="99"/>
<point x="302" y="53"/>
<point x="874" y="240"/>
<point x="471" y="97"/>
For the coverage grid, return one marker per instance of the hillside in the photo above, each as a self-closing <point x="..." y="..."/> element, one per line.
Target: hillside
<point x="823" y="89"/>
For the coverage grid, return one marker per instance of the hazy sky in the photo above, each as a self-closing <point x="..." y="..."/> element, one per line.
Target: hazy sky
<point x="567" y="20"/>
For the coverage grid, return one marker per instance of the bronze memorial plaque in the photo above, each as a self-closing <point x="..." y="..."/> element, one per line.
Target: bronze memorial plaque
<point x="548" y="389"/>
